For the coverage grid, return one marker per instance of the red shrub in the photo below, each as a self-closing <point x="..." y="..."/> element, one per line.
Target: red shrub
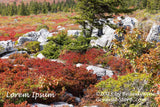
<point x="41" y="75"/>
<point x="121" y="66"/>
<point x="89" y="57"/>
<point x="93" y="53"/>
<point x="23" y="104"/>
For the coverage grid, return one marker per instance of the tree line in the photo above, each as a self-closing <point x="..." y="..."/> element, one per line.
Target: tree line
<point x="152" y="6"/>
<point x="36" y="8"/>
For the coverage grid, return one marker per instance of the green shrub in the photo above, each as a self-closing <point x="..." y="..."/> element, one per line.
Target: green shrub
<point x="79" y="44"/>
<point x="42" y="27"/>
<point x="125" y="91"/>
<point x="51" y="50"/>
<point x="32" y="47"/>
<point x="55" y="45"/>
<point x="63" y="42"/>
<point x="61" y="39"/>
<point x="17" y="55"/>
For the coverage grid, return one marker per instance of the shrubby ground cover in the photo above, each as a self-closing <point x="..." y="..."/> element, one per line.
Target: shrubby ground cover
<point x="135" y="64"/>
<point x="13" y="27"/>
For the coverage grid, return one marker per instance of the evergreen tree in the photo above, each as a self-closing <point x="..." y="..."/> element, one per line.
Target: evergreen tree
<point x="91" y="11"/>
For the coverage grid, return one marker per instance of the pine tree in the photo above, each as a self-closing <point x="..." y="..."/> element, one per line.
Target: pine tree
<point x="91" y="11"/>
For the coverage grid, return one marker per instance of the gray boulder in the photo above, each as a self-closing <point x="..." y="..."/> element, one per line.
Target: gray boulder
<point x="6" y="46"/>
<point x="154" y="34"/>
<point x="40" y="36"/>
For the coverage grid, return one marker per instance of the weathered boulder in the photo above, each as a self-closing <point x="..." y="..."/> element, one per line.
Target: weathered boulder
<point x="40" y="36"/>
<point x="6" y="46"/>
<point x="154" y="34"/>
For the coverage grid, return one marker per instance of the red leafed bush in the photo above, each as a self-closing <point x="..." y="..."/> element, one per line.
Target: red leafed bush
<point x="93" y="53"/>
<point x="121" y="66"/>
<point x="25" y="75"/>
<point x="16" y="55"/>
<point x="73" y="57"/>
<point x="88" y="57"/>
<point x="23" y="104"/>
<point x="92" y="97"/>
<point x="5" y="65"/>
